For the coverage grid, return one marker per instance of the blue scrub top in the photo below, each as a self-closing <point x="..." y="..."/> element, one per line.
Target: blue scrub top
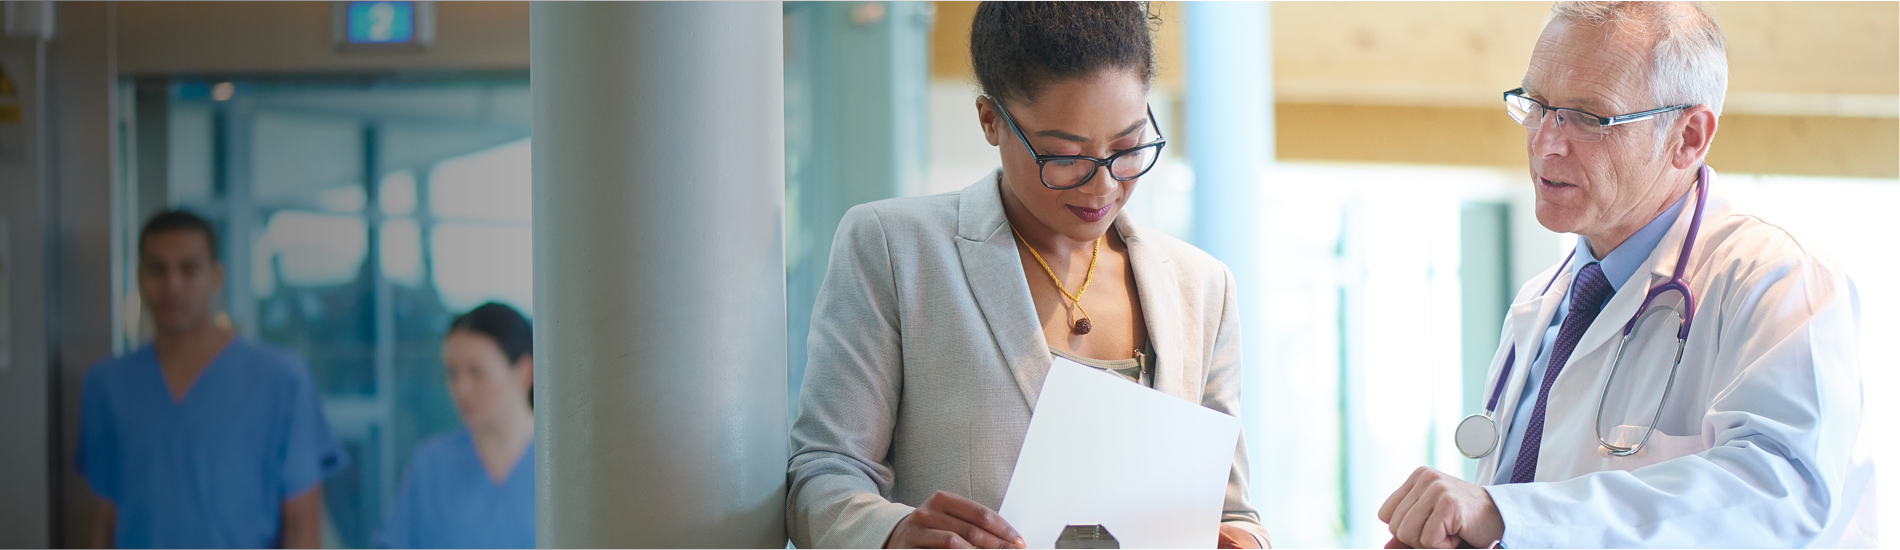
<point x="211" y="470"/>
<point x="448" y="501"/>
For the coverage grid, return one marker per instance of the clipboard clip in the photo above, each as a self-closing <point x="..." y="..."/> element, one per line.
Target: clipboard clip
<point x="1086" y="536"/>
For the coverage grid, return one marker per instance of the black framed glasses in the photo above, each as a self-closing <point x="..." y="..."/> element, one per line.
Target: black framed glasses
<point x="1576" y="125"/>
<point x="1062" y="172"/>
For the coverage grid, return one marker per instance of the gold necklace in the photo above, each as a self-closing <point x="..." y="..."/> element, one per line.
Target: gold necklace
<point x="1082" y="325"/>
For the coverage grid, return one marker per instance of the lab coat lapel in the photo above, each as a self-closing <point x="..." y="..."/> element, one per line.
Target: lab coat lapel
<point x="993" y="267"/>
<point x="1569" y="445"/>
<point x="1592" y="355"/>
<point x="1662" y="261"/>
<point x="1528" y="320"/>
<point x="1175" y="368"/>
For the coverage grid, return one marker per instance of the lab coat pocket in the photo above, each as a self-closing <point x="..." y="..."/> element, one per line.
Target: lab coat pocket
<point x="1659" y="447"/>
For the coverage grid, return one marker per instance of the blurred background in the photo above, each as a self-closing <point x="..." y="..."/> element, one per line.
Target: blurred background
<point x="1351" y="161"/>
<point x="364" y="196"/>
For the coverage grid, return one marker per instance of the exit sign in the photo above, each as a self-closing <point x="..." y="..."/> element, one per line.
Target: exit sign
<point x="383" y="26"/>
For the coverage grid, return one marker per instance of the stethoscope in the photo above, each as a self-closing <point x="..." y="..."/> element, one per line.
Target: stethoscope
<point x="1478" y="435"/>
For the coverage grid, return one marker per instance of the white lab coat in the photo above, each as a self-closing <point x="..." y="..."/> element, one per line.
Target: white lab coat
<point x="1757" y="442"/>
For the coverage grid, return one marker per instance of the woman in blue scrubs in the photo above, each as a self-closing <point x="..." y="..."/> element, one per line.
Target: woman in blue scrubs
<point x="474" y="487"/>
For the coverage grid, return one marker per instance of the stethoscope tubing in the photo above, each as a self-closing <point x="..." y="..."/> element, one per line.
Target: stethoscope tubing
<point x="1676" y="283"/>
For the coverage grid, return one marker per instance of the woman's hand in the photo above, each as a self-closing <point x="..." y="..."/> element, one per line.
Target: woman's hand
<point x="1234" y="537"/>
<point x="950" y="521"/>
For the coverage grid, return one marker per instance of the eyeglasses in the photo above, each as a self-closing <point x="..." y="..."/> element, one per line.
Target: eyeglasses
<point x="1576" y="125"/>
<point x="1061" y="172"/>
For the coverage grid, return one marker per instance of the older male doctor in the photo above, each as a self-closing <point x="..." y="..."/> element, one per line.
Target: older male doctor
<point x="1731" y="417"/>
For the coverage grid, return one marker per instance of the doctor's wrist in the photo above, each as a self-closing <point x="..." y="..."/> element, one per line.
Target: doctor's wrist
<point x="1488" y="528"/>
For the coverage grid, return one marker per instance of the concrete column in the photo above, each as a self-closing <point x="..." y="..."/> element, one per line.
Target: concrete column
<point x="659" y="274"/>
<point x="30" y="476"/>
<point x="81" y="68"/>
<point x="1229" y="123"/>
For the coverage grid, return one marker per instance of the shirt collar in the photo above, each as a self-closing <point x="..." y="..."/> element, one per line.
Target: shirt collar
<point x="1622" y="263"/>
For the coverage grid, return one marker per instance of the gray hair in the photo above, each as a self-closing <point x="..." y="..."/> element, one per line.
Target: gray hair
<point x="1690" y="61"/>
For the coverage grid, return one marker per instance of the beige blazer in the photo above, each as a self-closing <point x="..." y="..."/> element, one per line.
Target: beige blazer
<point x="927" y="358"/>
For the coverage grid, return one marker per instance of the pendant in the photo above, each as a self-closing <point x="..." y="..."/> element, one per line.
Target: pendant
<point x="1082" y="326"/>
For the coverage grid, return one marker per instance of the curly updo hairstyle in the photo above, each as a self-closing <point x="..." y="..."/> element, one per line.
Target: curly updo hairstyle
<point x="1017" y="47"/>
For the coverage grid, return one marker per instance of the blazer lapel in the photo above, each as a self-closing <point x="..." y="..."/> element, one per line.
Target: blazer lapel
<point x="994" y="269"/>
<point x="1529" y="339"/>
<point x="1176" y="369"/>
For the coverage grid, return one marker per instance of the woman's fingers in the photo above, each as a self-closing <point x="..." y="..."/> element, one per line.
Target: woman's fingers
<point x="946" y="539"/>
<point x="981" y="537"/>
<point x="913" y="535"/>
<point x="976" y="536"/>
<point x="986" y="523"/>
<point x="1228" y="541"/>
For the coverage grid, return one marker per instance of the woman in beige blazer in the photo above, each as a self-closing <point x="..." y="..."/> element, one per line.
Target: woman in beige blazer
<point x="940" y="315"/>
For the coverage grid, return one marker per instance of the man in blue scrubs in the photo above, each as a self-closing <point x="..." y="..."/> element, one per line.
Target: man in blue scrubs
<point x="202" y="438"/>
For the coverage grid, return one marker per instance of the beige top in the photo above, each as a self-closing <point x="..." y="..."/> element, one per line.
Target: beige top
<point x="1135" y="369"/>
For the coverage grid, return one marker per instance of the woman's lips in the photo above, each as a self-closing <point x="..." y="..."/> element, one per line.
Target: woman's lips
<point x="1087" y="215"/>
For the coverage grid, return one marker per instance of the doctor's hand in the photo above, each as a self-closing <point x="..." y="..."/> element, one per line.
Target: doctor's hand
<point x="950" y="521"/>
<point x="1436" y="510"/>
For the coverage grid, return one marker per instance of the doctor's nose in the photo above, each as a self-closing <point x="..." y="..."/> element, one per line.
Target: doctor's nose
<point x="1547" y="138"/>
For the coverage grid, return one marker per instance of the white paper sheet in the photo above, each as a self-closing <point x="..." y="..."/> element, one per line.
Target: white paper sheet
<point x="1150" y="467"/>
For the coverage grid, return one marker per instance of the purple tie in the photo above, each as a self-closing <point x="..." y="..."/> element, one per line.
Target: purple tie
<point x="1592" y="290"/>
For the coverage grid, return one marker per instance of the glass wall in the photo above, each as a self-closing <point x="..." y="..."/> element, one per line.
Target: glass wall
<point x="1373" y="275"/>
<point x="357" y="219"/>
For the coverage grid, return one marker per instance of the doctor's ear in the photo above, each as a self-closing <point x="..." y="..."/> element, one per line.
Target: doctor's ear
<point x="992" y="122"/>
<point x="1695" y="129"/>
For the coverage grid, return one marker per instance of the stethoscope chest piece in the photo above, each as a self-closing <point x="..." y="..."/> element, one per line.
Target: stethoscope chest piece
<point x="1477" y="436"/>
